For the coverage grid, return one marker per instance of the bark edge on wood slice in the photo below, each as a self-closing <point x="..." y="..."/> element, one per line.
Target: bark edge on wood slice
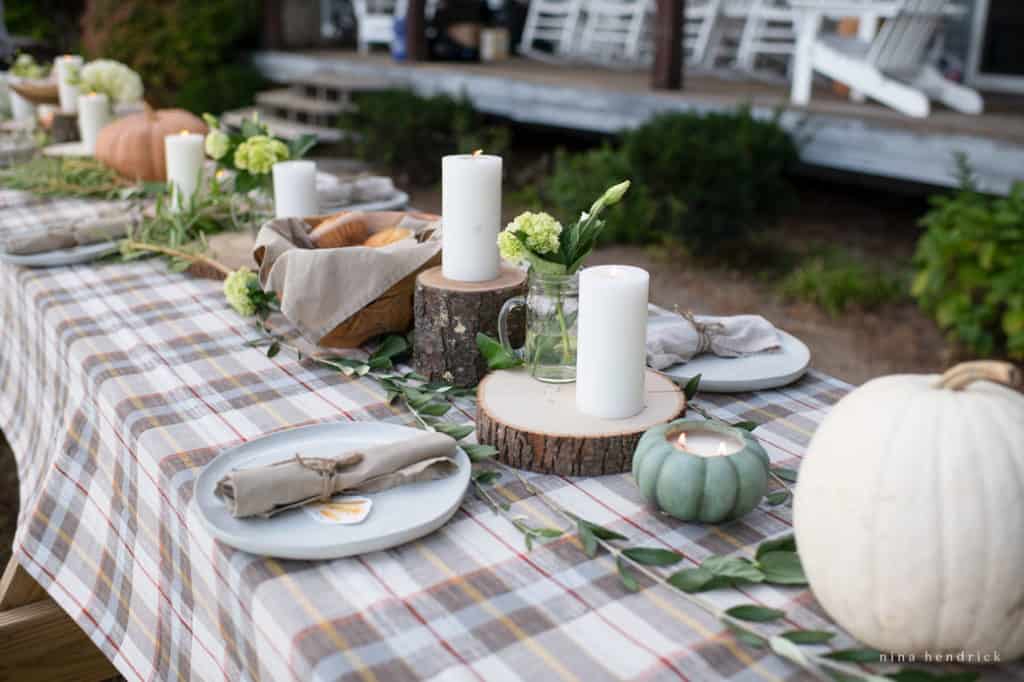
<point x="448" y="316"/>
<point x="535" y="426"/>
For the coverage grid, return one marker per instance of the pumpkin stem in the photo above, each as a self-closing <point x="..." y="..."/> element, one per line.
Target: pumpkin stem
<point x="963" y="375"/>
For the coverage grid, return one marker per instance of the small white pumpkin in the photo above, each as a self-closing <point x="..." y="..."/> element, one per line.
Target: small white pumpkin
<point x="909" y="512"/>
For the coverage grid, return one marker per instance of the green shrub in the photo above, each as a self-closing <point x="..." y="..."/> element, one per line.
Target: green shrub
<point x="578" y="178"/>
<point x="836" y="281"/>
<point x="228" y="86"/>
<point x="970" y="269"/>
<point x="409" y="133"/>
<point x="181" y="48"/>
<point x="727" y="169"/>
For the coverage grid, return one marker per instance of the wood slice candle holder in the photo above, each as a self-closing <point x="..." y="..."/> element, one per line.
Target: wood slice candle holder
<point x="536" y="426"/>
<point x="448" y="316"/>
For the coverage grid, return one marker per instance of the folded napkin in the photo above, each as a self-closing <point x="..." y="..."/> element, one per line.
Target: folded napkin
<point x="304" y="478"/>
<point x="68" y="234"/>
<point x="673" y="339"/>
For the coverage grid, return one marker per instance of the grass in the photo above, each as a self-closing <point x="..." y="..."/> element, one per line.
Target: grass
<point x="837" y="280"/>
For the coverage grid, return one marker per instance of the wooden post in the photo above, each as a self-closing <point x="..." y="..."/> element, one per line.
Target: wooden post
<point x="667" y="72"/>
<point x="273" y="31"/>
<point x="416" y="31"/>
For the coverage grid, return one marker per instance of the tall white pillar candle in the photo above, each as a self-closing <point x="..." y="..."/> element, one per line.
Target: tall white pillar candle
<point x="471" y="212"/>
<point x="295" y="189"/>
<point x="612" y="334"/>
<point x="66" y="66"/>
<point x="183" y="154"/>
<point x="93" y="114"/>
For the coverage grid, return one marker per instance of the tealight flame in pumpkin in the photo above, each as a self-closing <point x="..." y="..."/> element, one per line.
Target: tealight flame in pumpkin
<point x="681" y="441"/>
<point x="185" y="132"/>
<point x="478" y="152"/>
<point x="721" y="447"/>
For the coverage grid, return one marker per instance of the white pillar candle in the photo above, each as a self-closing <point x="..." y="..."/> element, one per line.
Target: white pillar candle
<point x="66" y="66"/>
<point x="295" y="189"/>
<point x="93" y="114"/>
<point x="611" y="354"/>
<point x="471" y="212"/>
<point x="184" y="156"/>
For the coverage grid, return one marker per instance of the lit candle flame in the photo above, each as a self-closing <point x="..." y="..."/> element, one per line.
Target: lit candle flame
<point x="185" y="132"/>
<point x="721" y="447"/>
<point x="682" y="440"/>
<point x="478" y="152"/>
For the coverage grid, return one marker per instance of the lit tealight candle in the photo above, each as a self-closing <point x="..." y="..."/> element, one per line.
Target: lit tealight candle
<point x="184" y="157"/>
<point x="93" y="114"/>
<point x="706" y="443"/>
<point x="611" y="347"/>
<point x="295" y="189"/>
<point x="471" y="212"/>
<point x="67" y="65"/>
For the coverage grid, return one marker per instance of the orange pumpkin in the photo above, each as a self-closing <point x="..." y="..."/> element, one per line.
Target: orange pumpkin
<point x="134" y="145"/>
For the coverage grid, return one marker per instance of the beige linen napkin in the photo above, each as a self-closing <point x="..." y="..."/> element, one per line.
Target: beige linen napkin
<point x="321" y="288"/>
<point x="673" y="339"/>
<point x="68" y="234"/>
<point x="310" y="477"/>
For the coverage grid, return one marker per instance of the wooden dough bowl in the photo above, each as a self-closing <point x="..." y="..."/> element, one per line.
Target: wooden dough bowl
<point x="536" y="426"/>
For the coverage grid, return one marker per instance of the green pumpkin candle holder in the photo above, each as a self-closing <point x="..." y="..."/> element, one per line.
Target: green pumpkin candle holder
<point x="701" y="470"/>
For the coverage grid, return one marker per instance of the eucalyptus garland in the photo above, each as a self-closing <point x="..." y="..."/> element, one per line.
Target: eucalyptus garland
<point x="776" y="561"/>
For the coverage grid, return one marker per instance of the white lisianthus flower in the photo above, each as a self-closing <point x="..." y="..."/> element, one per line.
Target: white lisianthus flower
<point x="111" y="78"/>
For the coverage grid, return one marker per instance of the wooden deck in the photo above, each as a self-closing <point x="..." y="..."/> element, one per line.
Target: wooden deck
<point x="837" y="134"/>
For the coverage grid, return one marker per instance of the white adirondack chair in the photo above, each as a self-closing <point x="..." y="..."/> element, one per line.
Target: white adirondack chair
<point x="770" y="30"/>
<point x="375" y="23"/>
<point x="551" y="29"/>
<point x="892" y="68"/>
<point x="613" y="31"/>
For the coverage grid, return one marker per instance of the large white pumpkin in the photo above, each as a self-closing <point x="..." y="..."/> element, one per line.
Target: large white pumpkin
<point x="909" y="512"/>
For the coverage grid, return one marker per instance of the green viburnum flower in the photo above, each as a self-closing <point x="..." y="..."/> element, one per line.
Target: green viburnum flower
<point x="112" y="78"/>
<point x="259" y="153"/>
<point x="538" y="231"/>
<point x="510" y="248"/>
<point x="237" y="289"/>
<point x="217" y="144"/>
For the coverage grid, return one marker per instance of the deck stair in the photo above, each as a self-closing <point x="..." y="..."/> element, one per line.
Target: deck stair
<point x="310" y="104"/>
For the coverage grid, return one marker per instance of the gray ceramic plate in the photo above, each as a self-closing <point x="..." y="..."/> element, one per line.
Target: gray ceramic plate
<point x="398" y="515"/>
<point x="49" y="259"/>
<point x="398" y="202"/>
<point x="756" y="372"/>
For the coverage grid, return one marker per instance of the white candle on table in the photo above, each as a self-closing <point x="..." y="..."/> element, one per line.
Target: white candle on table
<point x="67" y="65"/>
<point x="707" y="443"/>
<point x="295" y="189"/>
<point x="93" y="114"/>
<point x="184" y="158"/>
<point x="611" y="347"/>
<point x="471" y="211"/>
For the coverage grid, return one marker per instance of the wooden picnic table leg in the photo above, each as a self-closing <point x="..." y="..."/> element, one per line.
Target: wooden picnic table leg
<point x="38" y="640"/>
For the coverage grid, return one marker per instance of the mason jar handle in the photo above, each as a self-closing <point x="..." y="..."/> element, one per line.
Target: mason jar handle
<point x="503" y="335"/>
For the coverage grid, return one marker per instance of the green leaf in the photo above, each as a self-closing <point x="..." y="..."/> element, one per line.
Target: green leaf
<point x="785" y="473"/>
<point x="777" y="497"/>
<point x="479" y="453"/>
<point x="496" y="355"/>
<point x="487" y="477"/>
<point x="392" y="347"/>
<point x="626" y="574"/>
<point x="808" y="636"/>
<point x="755" y="613"/>
<point x="273" y="349"/>
<point x="587" y="537"/>
<point x="691" y="580"/>
<point x="549" y="532"/>
<point x="298" y="147"/>
<point x="692" y="386"/>
<point x="788" y="650"/>
<point x="746" y="426"/>
<point x="434" y="409"/>
<point x="748" y="638"/>
<point x="782" y="568"/>
<point x="602" y="532"/>
<point x="456" y="431"/>
<point x="855" y="655"/>
<point x="783" y="543"/>
<point x="733" y="568"/>
<point x="653" y="556"/>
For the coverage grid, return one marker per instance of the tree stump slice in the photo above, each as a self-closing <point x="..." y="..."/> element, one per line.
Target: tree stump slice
<point x="536" y="426"/>
<point x="64" y="127"/>
<point x="449" y="315"/>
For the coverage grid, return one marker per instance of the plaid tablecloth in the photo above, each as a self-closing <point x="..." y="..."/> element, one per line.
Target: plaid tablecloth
<point x="119" y="382"/>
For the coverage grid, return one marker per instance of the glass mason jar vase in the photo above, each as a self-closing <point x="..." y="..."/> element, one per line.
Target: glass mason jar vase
<point x="552" y="303"/>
